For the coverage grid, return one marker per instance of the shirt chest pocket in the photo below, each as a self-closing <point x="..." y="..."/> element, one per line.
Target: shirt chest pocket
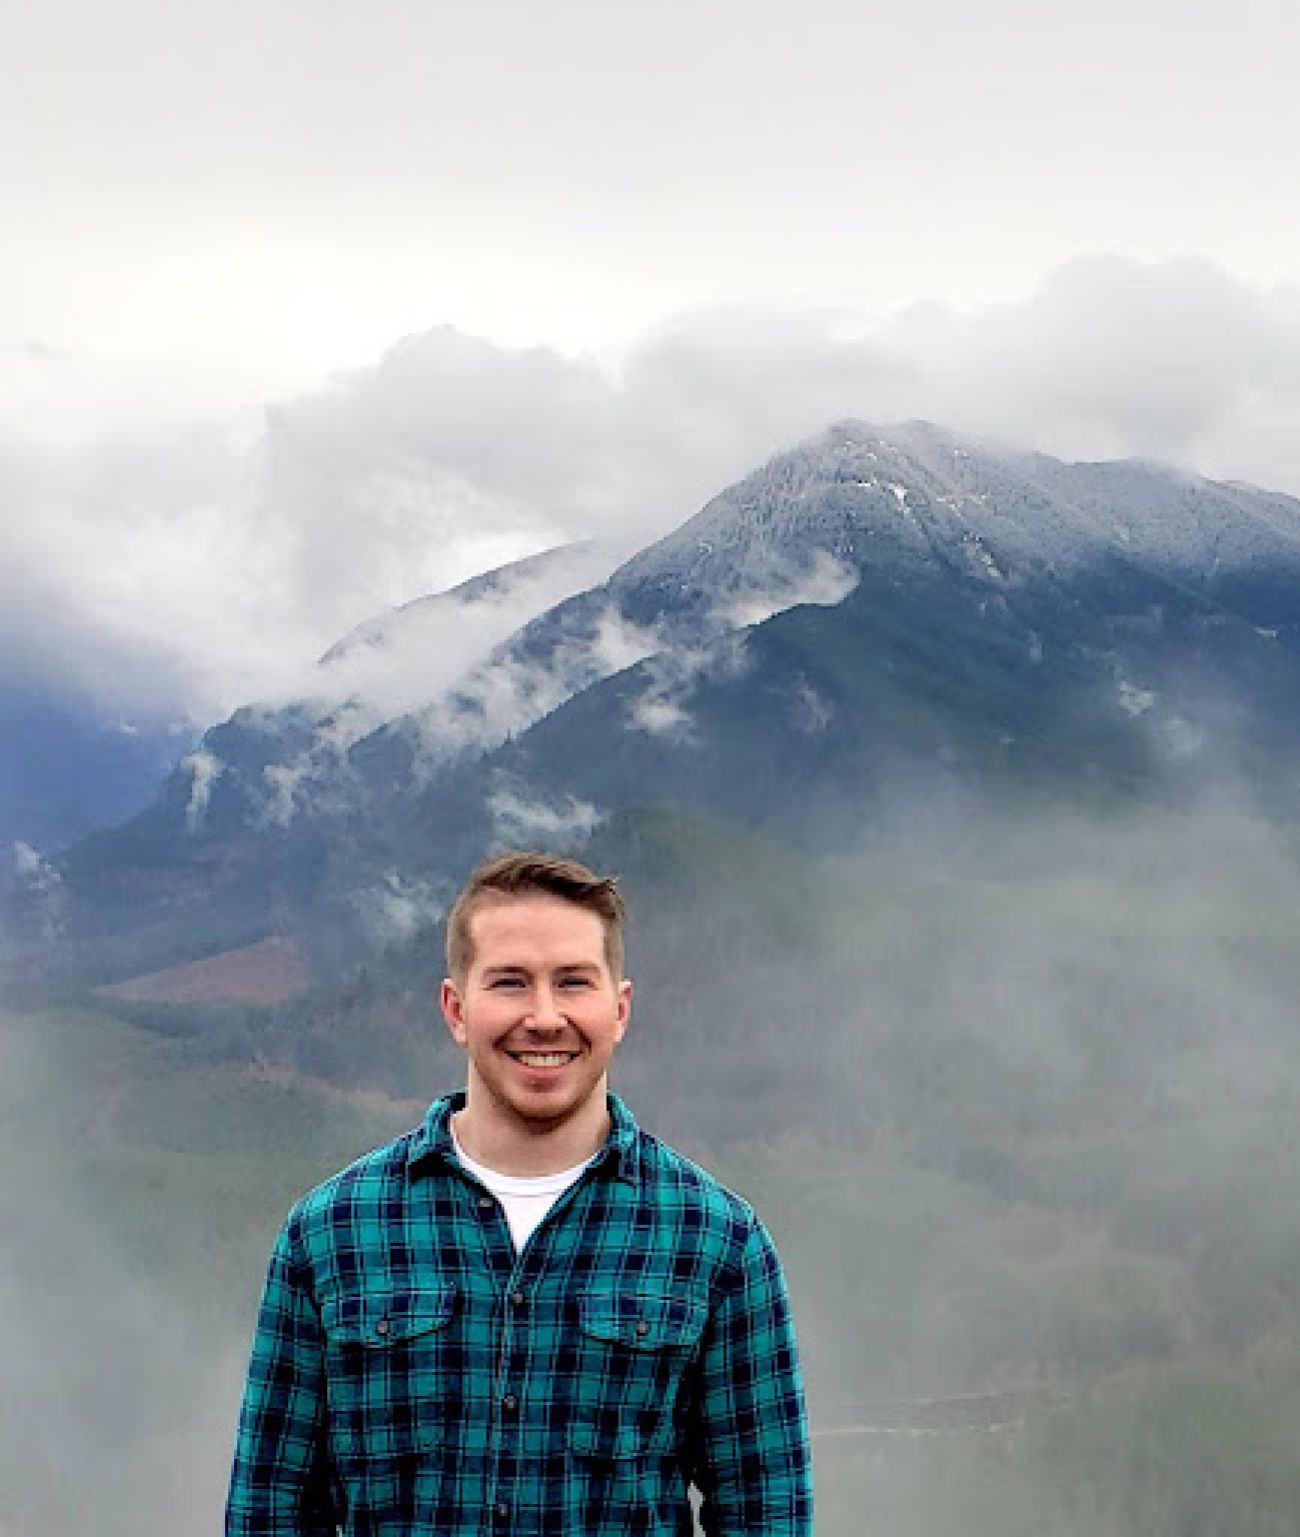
<point x="393" y="1371"/>
<point x="636" y="1349"/>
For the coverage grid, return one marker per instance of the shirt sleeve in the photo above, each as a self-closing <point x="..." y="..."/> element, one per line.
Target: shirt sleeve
<point x="280" y="1483"/>
<point x="749" y="1450"/>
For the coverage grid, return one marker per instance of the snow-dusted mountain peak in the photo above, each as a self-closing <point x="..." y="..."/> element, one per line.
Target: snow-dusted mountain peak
<point x="872" y="497"/>
<point x="863" y="496"/>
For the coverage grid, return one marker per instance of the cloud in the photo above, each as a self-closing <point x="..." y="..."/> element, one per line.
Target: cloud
<point x="282" y="782"/>
<point x="1114" y="358"/>
<point x="1109" y="358"/>
<point x="542" y="668"/>
<point x="824" y="582"/>
<point x="810" y="710"/>
<point x="134" y="572"/>
<point x="205" y="769"/>
<point x="409" y="662"/>
<point x="672" y="673"/>
<point x="439" y="683"/>
<point x="197" y="569"/>
<point x="43" y="899"/>
<point x="523" y="816"/>
<point x="662" y="707"/>
<point x="525" y="681"/>
<point x="397" y="907"/>
<point x="29" y="865"/>
<point x="430" y="672"/>
<point x="659" y="715"/>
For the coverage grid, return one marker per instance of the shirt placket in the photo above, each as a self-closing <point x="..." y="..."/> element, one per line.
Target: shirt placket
<point x="517" y="1345"/>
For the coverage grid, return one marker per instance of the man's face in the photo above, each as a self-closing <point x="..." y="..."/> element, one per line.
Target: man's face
<point x="538" y="1011"/>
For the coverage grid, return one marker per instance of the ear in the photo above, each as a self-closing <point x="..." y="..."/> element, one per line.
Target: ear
<point x="453" y="1011"/>
<point x="624" y="1012"/>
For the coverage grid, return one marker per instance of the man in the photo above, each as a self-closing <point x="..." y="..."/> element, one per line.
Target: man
<point x="526" y="1317"/>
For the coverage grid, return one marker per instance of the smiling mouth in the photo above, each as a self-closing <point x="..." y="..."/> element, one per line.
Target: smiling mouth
<point x="544" y="1058"/>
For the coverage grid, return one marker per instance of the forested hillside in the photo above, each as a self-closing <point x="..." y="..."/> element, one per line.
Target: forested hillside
<point x="1017" y="1092"/>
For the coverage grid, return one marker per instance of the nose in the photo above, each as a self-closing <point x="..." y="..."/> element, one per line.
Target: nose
<point x="545" y="1013"/>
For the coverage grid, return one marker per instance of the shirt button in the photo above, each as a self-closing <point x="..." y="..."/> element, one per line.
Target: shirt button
<point x="485" y="1201"/>
<point x="501" y="1510"/>
<point x="383" y="1326"/>
<point x="642" y="1328"/>
<point x="510" y="1402"/>
<point x="516" y="1299"/>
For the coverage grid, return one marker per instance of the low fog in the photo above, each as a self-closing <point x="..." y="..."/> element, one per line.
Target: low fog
<point x="460" y="673"/>
<point x="1014" y="1087"/>
<point x="194" y="570"/>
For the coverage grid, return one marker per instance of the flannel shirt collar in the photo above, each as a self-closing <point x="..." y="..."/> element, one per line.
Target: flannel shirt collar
<point x="432" y="1138"/>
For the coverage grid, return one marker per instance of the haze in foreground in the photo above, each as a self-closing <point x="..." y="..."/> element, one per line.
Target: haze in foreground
<point x="1017" y="1093"/>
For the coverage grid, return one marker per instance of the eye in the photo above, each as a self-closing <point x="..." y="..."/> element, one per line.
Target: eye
<point x="504" y="984"/>
<point x="578" y="982"/>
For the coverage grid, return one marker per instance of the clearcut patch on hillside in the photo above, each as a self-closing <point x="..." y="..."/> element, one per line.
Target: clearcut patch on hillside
<point x="271" y="971"/>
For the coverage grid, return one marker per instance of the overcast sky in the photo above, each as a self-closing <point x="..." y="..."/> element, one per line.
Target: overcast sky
<point x="531" y="269"/>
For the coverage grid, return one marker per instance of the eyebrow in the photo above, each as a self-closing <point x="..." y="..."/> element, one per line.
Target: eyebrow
<point x="517" y="969"/>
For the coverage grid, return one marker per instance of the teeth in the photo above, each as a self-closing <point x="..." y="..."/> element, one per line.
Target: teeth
<point x="543" y="1058"/>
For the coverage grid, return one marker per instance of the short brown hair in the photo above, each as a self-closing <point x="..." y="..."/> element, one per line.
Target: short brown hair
<point x="525" y="872"/>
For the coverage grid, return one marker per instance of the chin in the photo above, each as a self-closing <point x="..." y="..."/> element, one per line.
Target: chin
<point x="554" y="1108"/>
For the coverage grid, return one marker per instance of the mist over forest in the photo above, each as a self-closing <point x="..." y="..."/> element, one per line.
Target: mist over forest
<point x="1015" y="1086"/>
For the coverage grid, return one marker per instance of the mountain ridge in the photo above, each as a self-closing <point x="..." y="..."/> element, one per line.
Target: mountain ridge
<point x="869" y="606"/>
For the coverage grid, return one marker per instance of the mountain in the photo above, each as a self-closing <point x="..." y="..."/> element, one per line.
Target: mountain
<point x="254" y="770"/>
<point x="998" y="613"/>
<point x="875" y="612"/>
<point x="66" y="769"/>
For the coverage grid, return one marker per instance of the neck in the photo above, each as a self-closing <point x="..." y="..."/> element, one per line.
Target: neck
<point x="509" y="1144"/>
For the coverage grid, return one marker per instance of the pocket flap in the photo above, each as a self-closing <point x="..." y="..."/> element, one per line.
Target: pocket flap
<point x="619" y="1434"/>
<point x="387" y="1318"/>
<point x="642" y="1320"/>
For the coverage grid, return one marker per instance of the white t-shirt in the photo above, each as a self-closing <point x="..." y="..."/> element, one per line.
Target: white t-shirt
<point x="526" y="1198"/>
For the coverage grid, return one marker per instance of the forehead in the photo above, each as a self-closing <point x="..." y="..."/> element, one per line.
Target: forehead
<point x="535" y="929"/>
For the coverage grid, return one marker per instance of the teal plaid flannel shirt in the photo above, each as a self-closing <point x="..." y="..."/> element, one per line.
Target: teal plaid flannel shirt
<point x="413" y="1376"/>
